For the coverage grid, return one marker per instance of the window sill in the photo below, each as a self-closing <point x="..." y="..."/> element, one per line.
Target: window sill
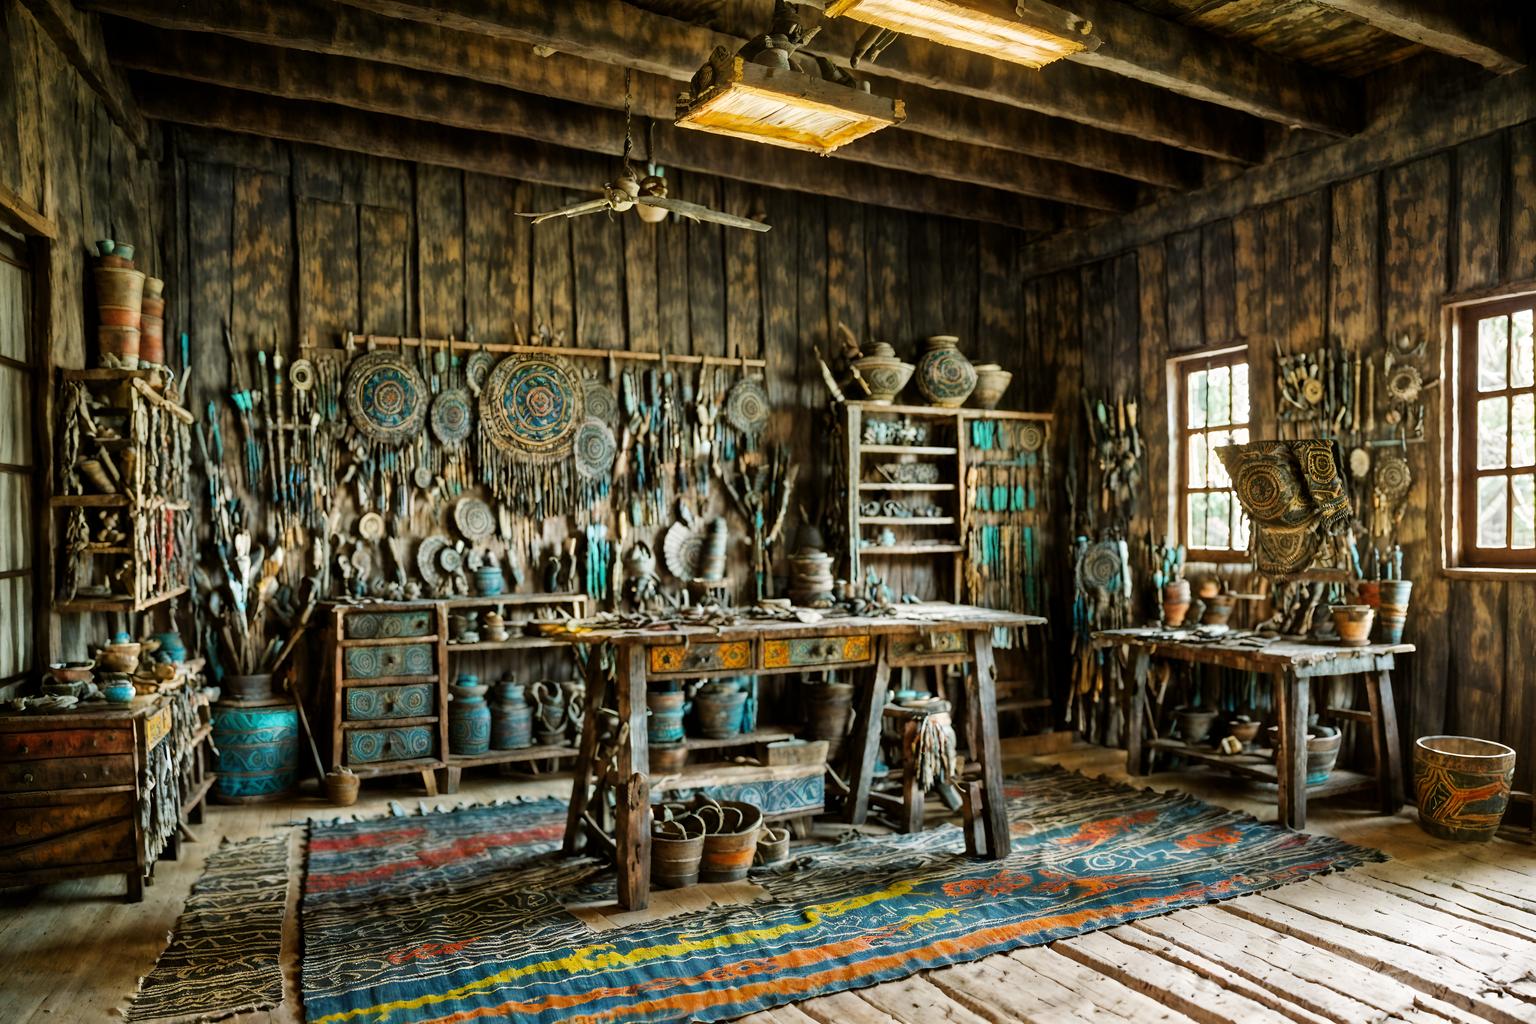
<point x="1216" y="557"/>
<point x="1492" y="574"/>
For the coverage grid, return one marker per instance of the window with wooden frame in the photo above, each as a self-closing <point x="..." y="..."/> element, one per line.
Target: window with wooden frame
<point x="1212" y="411"/>
<point x="20" y="380"/>
<point x="1495" y="446"/>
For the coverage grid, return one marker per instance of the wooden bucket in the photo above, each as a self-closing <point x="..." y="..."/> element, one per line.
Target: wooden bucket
<point x="676" y="849"/>
<point x="116" y="286"/>
<point x="720" y="714"/>
<point x="1462" y="786"/>
<point x="258" y="751"/>
<point x="728" y="852"/>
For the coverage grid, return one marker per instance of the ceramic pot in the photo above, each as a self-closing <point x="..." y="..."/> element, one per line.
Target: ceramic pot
<point x="119" y="316"/>
<point x="944" y="376"/>
<point x="1194" y="724"/>
<point x="1322" y="752"/>
<point x="1394" y="610"/>
<point x="1462" y="786"/>
<point x="249" y="688"/>
<point x="1175" y="603"/>
<point x="668" y="758"/>
<point x="665" y="723"/>
<point x="124" y="251"/>
<point x="1352" y="622"/>
<point x="1370" y="593"/>
<point x="341" y="787"/>
<point x="153" y="287"/>
<point x="469" y="717"/>
<point x="1218" y="609"/>
<point x="991" y="381"/>
<point x="1207" y="587"/>
<point x="172" y="650"/>
<point x="883" y="373"/>
<point x="719" y="710"/>
<point x="153" y="304"/>
<point x="119" y="286"/>
<point x="118" y="347"/>
<point x="511" y="717"/>
<point x="151" y="340"/>
<point x="71" y="671"/>
<point x="489" y="580"/>
<point x="258" y="751"/>
<point x="1243" y="732"/>
<point x="118" y="693"/>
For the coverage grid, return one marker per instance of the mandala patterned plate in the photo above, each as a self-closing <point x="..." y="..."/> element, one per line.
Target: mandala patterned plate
<point x="452" y="418"/>
<point x="1393" y="477"/>
<point x="531" y="407"/>
<point x="746" y="406"/>
<point x="386" y="397"/>
<point x="427" y="555"/>
<point x="602" y="403"/>
<point x="595" y="449"/>
<point x="1031" y="436"/>
<point x="474" y="519"/>
<point x="1100" y="565"/>
<point x="477" y="369"/>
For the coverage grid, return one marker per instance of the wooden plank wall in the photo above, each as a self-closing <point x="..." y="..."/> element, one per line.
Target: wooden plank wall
<point x="63" y="155"/>
<point x="1361" y="259"/>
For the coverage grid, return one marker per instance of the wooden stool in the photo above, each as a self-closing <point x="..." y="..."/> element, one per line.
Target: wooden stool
<point x="908" y="807"/>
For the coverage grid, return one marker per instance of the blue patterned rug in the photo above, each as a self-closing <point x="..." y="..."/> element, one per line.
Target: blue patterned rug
<point x="460" y="916"/>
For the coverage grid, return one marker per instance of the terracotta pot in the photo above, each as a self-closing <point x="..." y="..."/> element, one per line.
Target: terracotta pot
<point x="668" y="758"/>
<point x="153" y="305"/>
<point x="944" y="376"/>
<point x="1218" y="609"/>
<point x="1352" y="622"/>
<point x="1370" y="593"/>
<point x="341" y="787"/>
<point x="1394" y="610"/>
<point x="151" y="341"/>
<point x="117" y="286"/>
<point x="114" y="263"/>
<point x="153" y="286"/>
<point x="119" y="347"/>
<point x="118" y="316"/>
<point x="1194" y="724"/>
<point x="991" y="381"/>
<point x="1462" y="786"/>
<point x="884" y="374"/>
<point x="1175" y="603"/>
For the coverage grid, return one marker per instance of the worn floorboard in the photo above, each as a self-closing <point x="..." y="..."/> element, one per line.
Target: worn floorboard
<point x="1442" y="933"/>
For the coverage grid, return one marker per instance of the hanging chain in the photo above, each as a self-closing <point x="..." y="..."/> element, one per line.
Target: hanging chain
<point x="629" y="139"/>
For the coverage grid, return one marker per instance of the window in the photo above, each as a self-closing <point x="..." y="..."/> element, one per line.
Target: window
<point x="19" y="382"/>
<point x="1496" y="447"/>
<point x="1213" y="411"/>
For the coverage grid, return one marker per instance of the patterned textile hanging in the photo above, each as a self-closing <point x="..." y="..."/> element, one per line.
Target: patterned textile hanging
<point x="530" y="410"/>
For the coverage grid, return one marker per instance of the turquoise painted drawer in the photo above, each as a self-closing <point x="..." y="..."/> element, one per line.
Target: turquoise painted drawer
<point x="369" y="702"/>
<point x="806" y="651"/>
<point x="369" y="746"/>
<point x="390" y="660"/>
<point x="363" y="625"/>
<point x="928" y="645"/>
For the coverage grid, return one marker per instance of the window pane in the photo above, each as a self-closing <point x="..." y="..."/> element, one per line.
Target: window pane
<point x="1522" y="430"/>
<point x="1218" y="520"/>
<point x="1240" y="436"/>
<point x="1197" y="459"/>
<point x="1218" y="409"/>
<point x="15" y="625"/>
<point x="1492" y="527"/>
<point x="1195" y="396"/>
<point x="1239" y="527"/>
<point x="15" y="310"/>
<point x="16" y="514"/>
<point x="1492" y="353"/>
<point x="1240" y="393"/>
<point x="1492" y="432"/>
<point x="1520" y="375"/>
<point x="1523" y="513"/>
<point x="1194" y="530"/>
<point x="15" y="416"/>
<point x="1217" y="473"/>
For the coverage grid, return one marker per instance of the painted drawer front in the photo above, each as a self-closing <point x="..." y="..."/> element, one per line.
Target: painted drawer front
<point x="685" y="658"/>
<point x="377" y="625"/>
<point x="67" y="773"/>
<point x="29" y="746"/>
<point x="89" y="832"/>
<point x="390" y="660"/>
<point x="816" y="650"/>
<point x="367" y="746"/>
<point x="369" y="702"/>
<point x="928" y="645"/>
<point x="157" y="727"/>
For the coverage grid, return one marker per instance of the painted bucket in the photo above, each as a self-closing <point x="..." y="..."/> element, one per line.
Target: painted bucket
<point x="1394" y="610"/>
<point x="1462" y="786"/>
<point x="675" y="862"/>
<point x="665" y="724"/>
<point x="828" y="710"/>
<point x="258" y="751"/>
<point x="469" y="717"/>
<point x="719" y="712"/>
<point x="511" y="724"/>
<point x="728" y="854"/>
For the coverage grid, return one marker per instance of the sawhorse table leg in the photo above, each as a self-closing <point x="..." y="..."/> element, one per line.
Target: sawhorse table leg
<point x="866" y="745"/>
<point x="982" y="714"/>
<point x="1293" y="697"/>
<point x="1137" y="755"/>
<point x="632" y="825"/>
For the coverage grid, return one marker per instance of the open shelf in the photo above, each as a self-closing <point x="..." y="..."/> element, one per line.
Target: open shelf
<point x="908" y="520"/>
<point x="869" y="485"/>
<point x="516" y="643"/>
<point x="509" y="756"/>
<point x="1257" y="765"/>
<point x="909" y="549"/>
<point x="739" y="740"/>
<point x="908" y="449"/>
<point x="117" y="604"/>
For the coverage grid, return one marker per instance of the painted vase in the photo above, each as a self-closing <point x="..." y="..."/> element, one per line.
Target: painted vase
<point x="511" y="717"/>
<point x="883" y="374"/>
<point x="489" y="581"/>
<point x="1393" y="614"/>
<point x="1461" y="785"/>
<point x="991" y="381"/>
<point x="665" y="723"/>
<point x="258" y="751"/>
<point x="721" y="707"/>
<point x="944" y="376"/>
<point x="469" y="717"/>
<point x="1175" y="603"/>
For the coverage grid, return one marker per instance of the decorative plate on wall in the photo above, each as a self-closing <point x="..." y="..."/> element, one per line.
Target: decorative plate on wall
<point x="602" y="403"/>
<point x="477" y="369"/>
<point x="474" y="519"/>
<point x="427" y="554"/>
<point x="386" y="397"/>
<point x="452" y="418"/>
<point x="595" y="449"/>
<point x="746" y="406"/>
<point x="531" y="407"/>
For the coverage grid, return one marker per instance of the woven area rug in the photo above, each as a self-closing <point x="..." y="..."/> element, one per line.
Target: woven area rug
<point x="224" y="954"/>
<point x="459" y="916"/>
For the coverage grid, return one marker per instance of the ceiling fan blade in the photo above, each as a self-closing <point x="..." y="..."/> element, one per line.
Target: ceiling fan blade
<point x="574" y="210"/>
<point x="697" y="212"/>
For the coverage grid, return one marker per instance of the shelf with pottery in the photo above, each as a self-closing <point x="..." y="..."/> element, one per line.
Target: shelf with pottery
<point x="1259" y="764"/>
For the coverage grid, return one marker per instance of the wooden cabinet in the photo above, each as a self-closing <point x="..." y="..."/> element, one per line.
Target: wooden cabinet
<point x="100" y="790"/>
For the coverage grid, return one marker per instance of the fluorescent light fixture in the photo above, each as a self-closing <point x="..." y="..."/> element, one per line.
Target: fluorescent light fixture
<point x="733" y="96"/>
<point x="1029" y="32"/>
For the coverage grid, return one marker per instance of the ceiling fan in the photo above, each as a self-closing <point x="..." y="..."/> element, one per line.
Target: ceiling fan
<point x="629" y="190"/>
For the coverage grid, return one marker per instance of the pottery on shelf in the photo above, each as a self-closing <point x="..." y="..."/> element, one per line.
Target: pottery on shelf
<point x="944" y="376"/>
<point x="884" y="374"/>
<point x="1394" y="609"/>
<point x="1175" y="603"/>
<point x="991" y="381"/>
<point x="469" y="717"/>
<point x="1218" y="609"/>
<point x="1194" y="724"/>
<point x="1352" y="622"/>
<point x="119" y="691"/>
<point x="118" y="347"/>
<point x="1244" y="731"/>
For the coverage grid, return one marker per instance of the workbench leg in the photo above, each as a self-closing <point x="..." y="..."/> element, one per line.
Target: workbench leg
<point x="1293" y="697"/>
<point x="448" y="779"/>
<point x="135" y="880"/>
<point x="866" y="743"/>
<point x="1389" y="752"/>
<point x="632" y="825"/>
<point x="983" y="712"/>
<point x="583" y="778"/>
<point x="429" y="780"/>
<point x="1137" y="754"/>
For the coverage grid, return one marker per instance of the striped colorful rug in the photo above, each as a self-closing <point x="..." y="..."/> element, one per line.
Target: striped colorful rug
<point x="224" y="954"/>
<point x="459" y="916"/>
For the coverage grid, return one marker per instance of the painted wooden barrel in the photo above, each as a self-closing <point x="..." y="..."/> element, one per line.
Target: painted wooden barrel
<point x="728" y="852"/>
<point x="258" y="750"/>
<point x="675" y="862"/>
<point x="1462" y="786"/>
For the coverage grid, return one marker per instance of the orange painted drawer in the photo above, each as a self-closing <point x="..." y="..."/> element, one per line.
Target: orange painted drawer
<point x="683" y="659"/>
<point x="815" y="651"/>
<point x="30" y="746"/>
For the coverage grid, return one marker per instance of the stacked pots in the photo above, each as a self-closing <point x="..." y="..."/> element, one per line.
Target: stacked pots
<point x="1394" y="610"/>
<point x="120" y="305"/>
<point x="469" y="717"/>
<point x="152" y="324"/>
<point x="1176" y="599"/>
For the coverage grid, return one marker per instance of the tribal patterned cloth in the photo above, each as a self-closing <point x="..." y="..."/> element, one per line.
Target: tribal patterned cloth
<point x="224" y="956"/>
<point x="460" y="917"/>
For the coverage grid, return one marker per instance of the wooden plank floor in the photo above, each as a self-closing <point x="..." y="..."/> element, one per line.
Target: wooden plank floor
<point x="1443" y="933"/>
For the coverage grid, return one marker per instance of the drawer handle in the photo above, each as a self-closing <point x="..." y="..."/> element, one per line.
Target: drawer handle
<point x="84" y="775"/>
<point x="25" y="749"/>
<point x="28" y="777"/>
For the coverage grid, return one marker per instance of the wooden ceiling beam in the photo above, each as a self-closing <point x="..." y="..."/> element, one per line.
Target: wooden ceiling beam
<point x="347" y="32"/>
<point x="1493" y="33"/>
<point x="613" y="32"/>
<point x="321" y="124"/>
<point x="79" y="39"/>
<point x="422" y="96"/>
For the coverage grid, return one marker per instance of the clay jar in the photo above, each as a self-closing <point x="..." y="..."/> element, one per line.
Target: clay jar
<point x="944" y="376"/>
<point x="991" y="381"/>
<point x="1218" y="609"/>
<point x="511" y="717"/>
<point x="719" y="706"/>
<point x="884" y="374"/>
<point x="1353" y="623"/>
<point x="469" y="717"/>
<point x="1394" y="610"/>
<point x="1462" y="786"/>
<point x="1175" y="603"/>
<point x="1194" y="724"/>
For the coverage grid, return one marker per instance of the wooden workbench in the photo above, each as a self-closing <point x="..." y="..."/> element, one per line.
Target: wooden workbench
<point x="1292" y="664"/>
<point x="921" y="634"/>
